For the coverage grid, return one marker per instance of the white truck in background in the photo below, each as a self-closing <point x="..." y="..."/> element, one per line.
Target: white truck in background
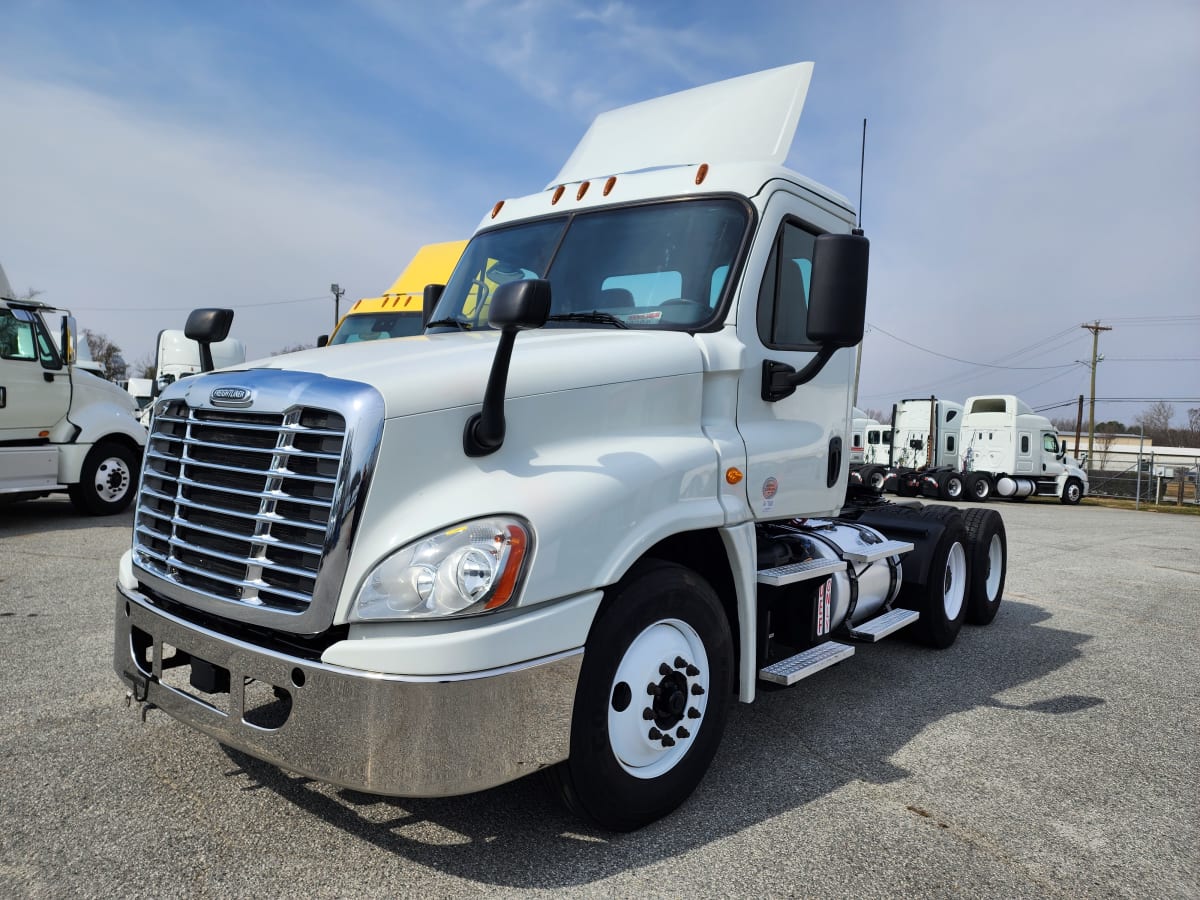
<point x="568" y="551"/>
<point x="61" y="428"/>
<point x="178" y="356"/>
<point x="870" y="448"/>
<point x="1013" y="451"/>
<point x="993" y="445"/>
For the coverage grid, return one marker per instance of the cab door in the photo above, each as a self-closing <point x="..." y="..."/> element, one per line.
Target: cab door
<point x="1051" y="464"/>
<point x="35" y="389"/>
<point x="797" y="452"/>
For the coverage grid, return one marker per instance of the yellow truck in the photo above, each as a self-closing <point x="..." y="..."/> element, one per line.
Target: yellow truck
<point x="398" y="312"/>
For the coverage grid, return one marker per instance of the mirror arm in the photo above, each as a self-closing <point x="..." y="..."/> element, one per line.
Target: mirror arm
<point x="484" y="431"/>
<point x="779" y="380"/>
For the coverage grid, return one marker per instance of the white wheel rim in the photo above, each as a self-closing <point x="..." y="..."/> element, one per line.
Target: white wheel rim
<point x="954" y="488"/>
<point x="995" y="564"/>
<point x="954" y="584"/>
<point x="112" y="479"/>
<point x="630" y="732"/>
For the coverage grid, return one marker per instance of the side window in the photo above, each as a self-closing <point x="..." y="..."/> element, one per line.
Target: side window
<point x="949" y="443"/>
<point x="872" y="437"/>
<point x="858" y="440"/>
<point x="16" y="338"/>
<point x="1050" y="443"/>
<point x="1024" y="443"/>
<point x="783" y="298"/>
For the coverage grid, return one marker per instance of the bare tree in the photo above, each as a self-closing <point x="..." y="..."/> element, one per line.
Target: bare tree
<point x="292" y="348"/>
<point x="879" y="416"/>
<point x="1193" y="427"/>
<point x="144" y="367"/>
<point x="1156" y="420"/>
<point x="107" y="354"/>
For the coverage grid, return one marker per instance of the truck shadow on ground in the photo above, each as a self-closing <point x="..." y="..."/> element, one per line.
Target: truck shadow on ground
<point x="786" y="750"/>
<point x="48" y="514"/>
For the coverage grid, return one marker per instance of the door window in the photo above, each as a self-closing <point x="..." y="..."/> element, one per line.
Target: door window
<point x="783" y="298"/>
<point x="16" y="338"/>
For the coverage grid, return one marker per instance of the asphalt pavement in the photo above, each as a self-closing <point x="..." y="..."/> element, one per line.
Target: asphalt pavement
<point x="1054" y="753"/>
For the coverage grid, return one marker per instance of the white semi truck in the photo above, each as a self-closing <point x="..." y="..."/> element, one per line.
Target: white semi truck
<point x="570" y="524"/>
<point x="62" y="428"/>
<point x="993" y="445"/>
<point x="1009" y="449"/>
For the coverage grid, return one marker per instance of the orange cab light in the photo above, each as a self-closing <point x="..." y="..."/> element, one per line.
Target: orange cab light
<point x="43" y="434"/>
<point x="701" y="173"/>
<point x="496" y="209"/>
<point x="558" y="192"/>
<point x="582" y="190"/>
<point x="610" y="184"/>
<point x="733" y="475"/>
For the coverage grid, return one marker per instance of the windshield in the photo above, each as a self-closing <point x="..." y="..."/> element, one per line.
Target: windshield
<point x="377" y="327"/>
<point x="660" y="265"/>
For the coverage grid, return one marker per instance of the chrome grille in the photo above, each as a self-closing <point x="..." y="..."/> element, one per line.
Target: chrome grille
<point x="240" y="505"/>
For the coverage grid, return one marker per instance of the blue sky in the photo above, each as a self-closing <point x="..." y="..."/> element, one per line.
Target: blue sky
<point x="1030" y="166"/>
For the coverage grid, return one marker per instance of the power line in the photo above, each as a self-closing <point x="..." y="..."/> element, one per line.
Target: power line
<point x="965" y="361"/>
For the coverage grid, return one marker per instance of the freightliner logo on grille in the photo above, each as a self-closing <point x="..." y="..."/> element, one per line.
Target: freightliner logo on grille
<point x="231" y="396"/>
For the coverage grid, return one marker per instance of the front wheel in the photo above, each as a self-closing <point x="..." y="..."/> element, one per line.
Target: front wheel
<point x="652" y="698"/>
<point x="1072" y="492"/>
<point x="107" y="481"/>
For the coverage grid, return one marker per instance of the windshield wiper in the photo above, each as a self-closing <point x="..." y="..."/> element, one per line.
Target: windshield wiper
<point x="594" y="316"/>
<point x="460" y="324"/>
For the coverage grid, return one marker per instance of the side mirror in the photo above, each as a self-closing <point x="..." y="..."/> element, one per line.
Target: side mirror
<point x="837" y="310"/>
<point x="837" y="296"/>
<point x="69" y="335"/>
<point x="429" y="299"/>
<point x="322" y="340"/>
<point x="207" y="327"/>
<point x="516" y="306"/>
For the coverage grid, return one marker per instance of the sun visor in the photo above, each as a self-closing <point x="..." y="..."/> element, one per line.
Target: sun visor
<point x="751" y="118"/>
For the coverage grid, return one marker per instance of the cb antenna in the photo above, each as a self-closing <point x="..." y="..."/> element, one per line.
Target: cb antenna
<point x="862" y="162"/>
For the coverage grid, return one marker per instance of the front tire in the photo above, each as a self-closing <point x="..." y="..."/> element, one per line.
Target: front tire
<point x="1072" y="492"/>
<point x="107" y="481"/>
<point x="652" y="698"/>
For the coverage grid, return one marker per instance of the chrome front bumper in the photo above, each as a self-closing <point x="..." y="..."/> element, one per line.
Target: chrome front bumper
<point x="410" y="736"/>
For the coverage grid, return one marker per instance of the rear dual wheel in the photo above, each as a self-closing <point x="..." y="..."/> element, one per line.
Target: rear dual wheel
<point x="942" y="598"/>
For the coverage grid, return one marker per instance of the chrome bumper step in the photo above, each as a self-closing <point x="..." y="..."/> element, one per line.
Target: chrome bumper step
<point x="881" y="626"/>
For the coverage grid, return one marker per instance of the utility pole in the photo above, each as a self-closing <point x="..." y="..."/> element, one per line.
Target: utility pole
<point x="337" y="292"/>
<point x="1078" y="425"/>
<point x="1095" y="328"/>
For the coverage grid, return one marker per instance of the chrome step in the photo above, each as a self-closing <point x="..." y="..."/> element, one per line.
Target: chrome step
<point x="882" y="626"/>
<point x="801" y="571"/>
<point x="873" y="552"/>
<point x="790" y="670"/>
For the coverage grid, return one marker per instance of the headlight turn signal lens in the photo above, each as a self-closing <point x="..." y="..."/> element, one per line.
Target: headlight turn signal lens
<point x="464" y="570"/>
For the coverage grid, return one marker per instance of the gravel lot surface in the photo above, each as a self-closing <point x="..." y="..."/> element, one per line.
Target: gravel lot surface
<point x="1053" y="753"/>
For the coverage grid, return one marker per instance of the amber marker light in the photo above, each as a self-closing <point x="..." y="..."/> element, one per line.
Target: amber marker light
<point x="508" y="580"/>
<point x="733" y="475"/>
<point x="582" y="190"/>
<point x="43" y="434"/>
<point x="558" y="192"/>
<point x="610" y="184"/>
<point x="496" y="209"/>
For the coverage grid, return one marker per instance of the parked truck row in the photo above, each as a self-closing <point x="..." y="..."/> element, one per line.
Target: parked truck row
<point x="993" y="445"/>
<point x="601" y="497"/>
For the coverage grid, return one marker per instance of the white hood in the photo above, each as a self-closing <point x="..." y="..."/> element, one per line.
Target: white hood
<point x="444" y="371"/>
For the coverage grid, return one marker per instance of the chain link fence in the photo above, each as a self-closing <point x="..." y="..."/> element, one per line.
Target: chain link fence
<point x="1147" y="476"/>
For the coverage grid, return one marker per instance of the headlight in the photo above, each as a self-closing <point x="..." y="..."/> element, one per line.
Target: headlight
<point x="468" y="569"/>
